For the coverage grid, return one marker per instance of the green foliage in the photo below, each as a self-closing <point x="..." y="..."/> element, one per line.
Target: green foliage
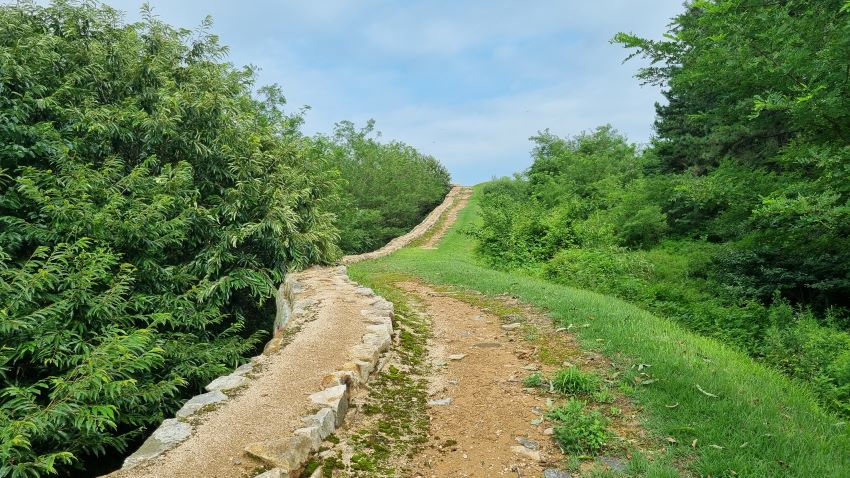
<point x="739" y="208"/>
<point x="573" y="381"/>
<point x="611" y="270"/>
<point x="149" y="205"/>
<point x="763" y="423"/>
<point x="579" y="430"/>
<point x="762" y="88"/>
<point x="605" y="395"/>
<point x="801" y="347"/>
<point x="387" y="188"/>
<point x="744" y="78"/>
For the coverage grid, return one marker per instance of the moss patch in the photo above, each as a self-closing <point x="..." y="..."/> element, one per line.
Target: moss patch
<point x="396" y="421"/>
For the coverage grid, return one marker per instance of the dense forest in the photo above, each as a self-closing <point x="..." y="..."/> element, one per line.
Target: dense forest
<point x="735" y="219"/>
<point x="151" y="199"/>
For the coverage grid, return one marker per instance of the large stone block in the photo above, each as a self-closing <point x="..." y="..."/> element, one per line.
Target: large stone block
<point x="380" y="341"/>
<point x="313" y="434"/>
<point x="324" y="420"/>
<point x="359" y="367"/>
<point x="273" y="473"/>
<point x="200" y="401"/>
<point x="227" y="382"/>
<point x="334" y="398"/>
<point x="288" y="454"/>
<point x="365" y="352"/>
<point x="169" y="434"/>
<point x="384" y="328"/>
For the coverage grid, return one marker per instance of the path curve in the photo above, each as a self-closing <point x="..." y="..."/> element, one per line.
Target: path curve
<point x="431" y="220"/>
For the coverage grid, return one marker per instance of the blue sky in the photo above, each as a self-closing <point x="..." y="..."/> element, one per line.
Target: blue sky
<point x="465" y="81"/>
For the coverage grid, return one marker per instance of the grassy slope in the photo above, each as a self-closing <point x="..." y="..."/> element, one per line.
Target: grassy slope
<point x="761" y="425"/>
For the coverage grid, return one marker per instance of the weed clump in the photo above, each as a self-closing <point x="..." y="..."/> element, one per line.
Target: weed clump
<point x="579" y="430"/>
<point x="573" y="381"/>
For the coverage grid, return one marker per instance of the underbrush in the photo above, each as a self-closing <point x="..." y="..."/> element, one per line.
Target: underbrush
<point x="674" y="280"/>
<point x="579" y="430"/>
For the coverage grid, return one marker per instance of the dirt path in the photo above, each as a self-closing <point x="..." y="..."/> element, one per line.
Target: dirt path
<point x="449" y="399"/>
<point x="478" y="369"/>
<point x="454" y="402"/>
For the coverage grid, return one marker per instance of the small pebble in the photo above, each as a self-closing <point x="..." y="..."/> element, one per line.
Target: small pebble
<point x="530" y="444"/>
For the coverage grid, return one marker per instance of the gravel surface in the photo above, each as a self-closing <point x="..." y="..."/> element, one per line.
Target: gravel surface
<point x="271" y="406"/>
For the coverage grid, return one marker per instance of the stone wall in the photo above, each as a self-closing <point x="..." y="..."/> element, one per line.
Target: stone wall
<point x="288" y="454"/>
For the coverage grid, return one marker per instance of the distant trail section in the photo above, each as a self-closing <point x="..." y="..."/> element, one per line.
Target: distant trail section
<point x="456" y="195"/>
<point x="459" y="202"/>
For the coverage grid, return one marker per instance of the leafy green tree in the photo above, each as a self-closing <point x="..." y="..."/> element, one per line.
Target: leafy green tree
<point x="744" y="78"/>
<point x="762" y="89"/>
<point x="150" y="203"/>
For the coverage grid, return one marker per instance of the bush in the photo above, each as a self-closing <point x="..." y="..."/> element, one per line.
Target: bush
<point x="646" y="227"/>
<point x="149" y="206"/>
<point x="606" y="270"/>
<point x="579" y="430"/>
<point x="802" y="347"/>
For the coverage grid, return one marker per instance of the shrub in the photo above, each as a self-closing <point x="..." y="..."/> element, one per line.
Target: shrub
<point x="387" y="188"/>
<point x="645" y="227"/>
<point x="805" y="349"/>
<point x="606" y="270"/>
<point x="149" y="205"/>
<point x="579" y="430"/>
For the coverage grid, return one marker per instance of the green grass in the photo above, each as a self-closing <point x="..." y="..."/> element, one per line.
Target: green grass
<point x="760" y="423"/>
<point x="573" y="381"/>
